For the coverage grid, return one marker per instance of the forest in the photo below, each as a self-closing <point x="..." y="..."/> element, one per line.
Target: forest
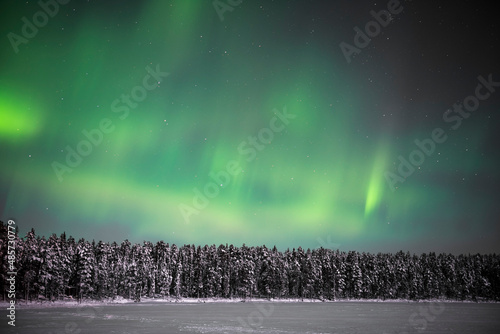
<point x="61" y="267"/>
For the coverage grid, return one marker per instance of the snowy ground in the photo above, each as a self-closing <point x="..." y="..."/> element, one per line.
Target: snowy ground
<point x="221" y="316"/>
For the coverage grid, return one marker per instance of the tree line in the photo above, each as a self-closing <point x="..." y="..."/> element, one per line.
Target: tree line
<point x="58" y="267"/>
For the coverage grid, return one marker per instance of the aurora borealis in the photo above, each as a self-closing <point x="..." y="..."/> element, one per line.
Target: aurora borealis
<point x="166" y="100"/>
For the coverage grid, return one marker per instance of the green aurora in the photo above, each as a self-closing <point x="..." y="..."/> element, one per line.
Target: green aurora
<point x="322" y="177"/>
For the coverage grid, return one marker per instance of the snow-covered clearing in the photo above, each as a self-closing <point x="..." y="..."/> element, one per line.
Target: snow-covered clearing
<point x="280" y="317"/>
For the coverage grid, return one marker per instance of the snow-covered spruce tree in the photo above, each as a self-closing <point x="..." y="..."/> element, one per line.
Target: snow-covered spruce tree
<point x="212" y="277"/>
<point x="481" y="285"/>
<point x="430" y="277"/>
<point x="368" y="275"/>
<point x="199" y="273"/>
<point x="53" y="268"/>
<point x="133" y="279"/>
<point x="115" y="269"/>
<point x="237" y="279"/>
<point x="307" y="275"/>
<point x="400" y="260"/>
<point x="66" y="254"/>
<point x="85" y="269"/>
<point x="30" y="266"/>
<point x="246" y="282"/>
<point x="176" y="267"/>
<point x="494" y="275"/>
<point x="448" y="275"/>
<point x="318" y="275"/>
<point x="225" y="263"/>
<point x="354" y="275"/>
<point x="163" y="274"/>
<point x="233" y="258"/>
<point x="341" y="283"/>
<point x="43" y="279"/>
<point x="413" y="277"/>
<point x="295" y="277"/>
<point x="102" y="270"/>
<point x="388" y="274"/>
<point x="327" y="273"/>
<point x="279" y="275"/>
<point x="264" y="269"/>
<point x="283" y="270"/>
<point x="146" y="271"/>
<point x="124" y="263"/>
<point x="187" y="279"/>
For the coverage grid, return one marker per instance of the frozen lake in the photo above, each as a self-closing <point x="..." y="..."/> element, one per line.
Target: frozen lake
<point x="260" y="317"/>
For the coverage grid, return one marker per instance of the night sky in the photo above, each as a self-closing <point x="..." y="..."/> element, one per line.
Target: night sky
<point x="261" y="122"/>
